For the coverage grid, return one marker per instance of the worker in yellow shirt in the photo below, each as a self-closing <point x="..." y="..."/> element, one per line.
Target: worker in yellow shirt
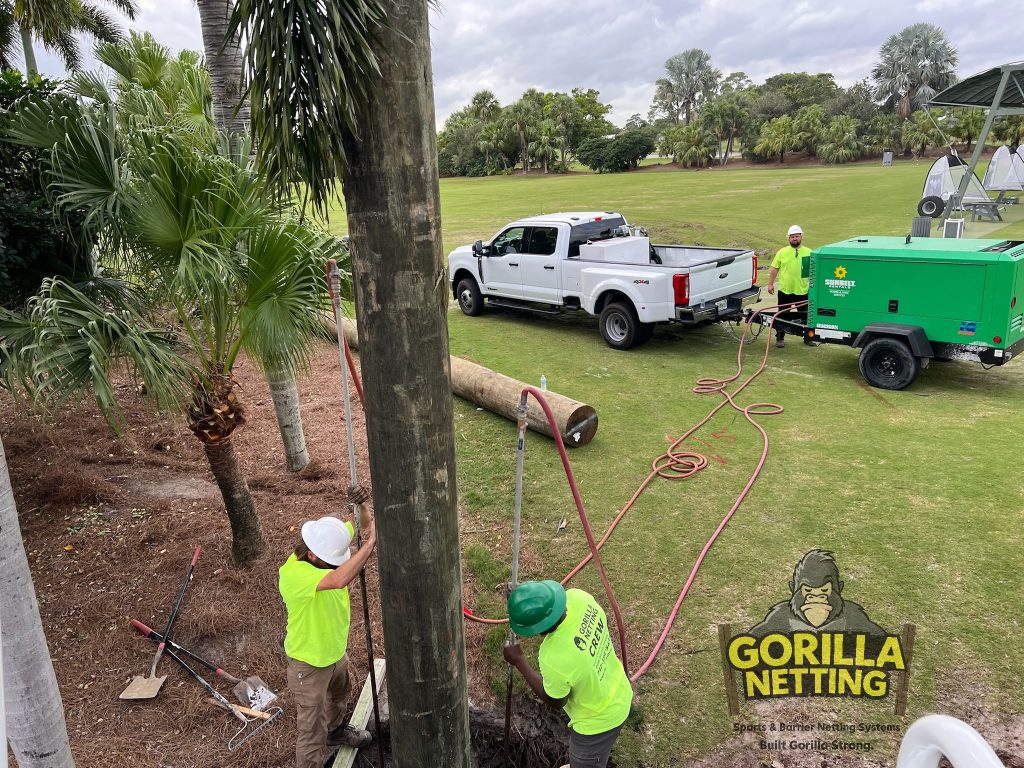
<point x="579" y="670"/>
<point x="314" y="585"/>
<point x="788" y="268"/>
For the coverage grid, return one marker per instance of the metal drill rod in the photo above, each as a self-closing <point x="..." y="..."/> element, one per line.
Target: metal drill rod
<point x="516" y="521"/>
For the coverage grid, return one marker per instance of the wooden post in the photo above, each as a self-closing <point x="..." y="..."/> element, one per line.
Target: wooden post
<point x="907" y="642"/>
<point x="393" y="204"/>
<point x="732" y="695"/>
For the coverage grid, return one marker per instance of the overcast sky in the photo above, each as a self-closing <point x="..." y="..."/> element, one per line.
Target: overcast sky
<point x="619" y="47"/>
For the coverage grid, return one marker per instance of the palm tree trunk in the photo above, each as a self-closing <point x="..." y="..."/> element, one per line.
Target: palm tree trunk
<point x="31" y="68"/>
<point x="526" y="156"/>
<point x="246" y="537"/>
<point x="230" y="105"/>
<point x="285" y="395"/>
<point x="36" y="728"/>
<point x="392" y="198"/>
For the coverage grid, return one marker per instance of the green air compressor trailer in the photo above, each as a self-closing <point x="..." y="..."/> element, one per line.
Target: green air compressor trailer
<point x="905" y="302"/>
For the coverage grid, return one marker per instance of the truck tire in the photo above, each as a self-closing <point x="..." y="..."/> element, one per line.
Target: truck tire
<point x="933" y="206"/>
<point x="620" y="327"/>
<point x="471" y="301"/>
<point x="888" y="363"/>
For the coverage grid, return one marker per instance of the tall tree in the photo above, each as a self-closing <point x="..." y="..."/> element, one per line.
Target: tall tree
<point x="36" y="729"/>
<point x="484" y="106"/>
<point x="522" y="114"/>
<point x="690" y="81"/>
<point x="778" y="137"/>
<point x="913" y="65"/>
<point x="57" y="24"/>
<point x="226" y="63"/>
<point x="323" y="72"/>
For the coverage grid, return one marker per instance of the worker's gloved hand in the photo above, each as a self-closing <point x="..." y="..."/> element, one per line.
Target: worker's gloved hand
<point x="358" y="495"/>
<point x="512" y="653"/>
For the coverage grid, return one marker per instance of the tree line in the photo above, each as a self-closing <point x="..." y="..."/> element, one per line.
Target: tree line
<point x="700" y="116"/>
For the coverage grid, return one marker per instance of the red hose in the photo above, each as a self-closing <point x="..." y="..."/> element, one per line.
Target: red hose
<point x="674" y="464"/>
<point x="343" y="340"/>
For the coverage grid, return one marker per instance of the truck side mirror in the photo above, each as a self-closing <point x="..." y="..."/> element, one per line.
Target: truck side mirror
<point x="478" y="247"/>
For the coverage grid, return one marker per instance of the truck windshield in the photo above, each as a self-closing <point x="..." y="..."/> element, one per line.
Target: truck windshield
<point x="593" y="230"/>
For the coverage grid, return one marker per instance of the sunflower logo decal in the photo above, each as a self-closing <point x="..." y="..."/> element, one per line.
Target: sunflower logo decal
<point x="840" y="272"/>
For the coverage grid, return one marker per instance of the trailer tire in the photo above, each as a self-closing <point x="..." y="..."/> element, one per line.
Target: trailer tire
<point x="888" y="363"/>
<point x="620" y="327"/>
<point x="471" y="301"/>
<point x="933" y="206"/>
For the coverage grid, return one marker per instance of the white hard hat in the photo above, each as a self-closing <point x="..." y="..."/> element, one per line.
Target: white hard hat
<point x="795" y="230"/>
<point x="327" y="538"/>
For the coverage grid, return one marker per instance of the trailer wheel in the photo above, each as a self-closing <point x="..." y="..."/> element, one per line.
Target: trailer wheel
<point x="620" y="326"/>
<point x="471" y="301"/>
<point x="933" y="206"/>
<point x="888" y="363"/>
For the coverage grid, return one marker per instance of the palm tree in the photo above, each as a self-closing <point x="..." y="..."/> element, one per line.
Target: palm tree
<point x="913" y="65"/>
<point x="36" y="730"/>
<point x="725" y="119"/>
<point x="225" y="61"/>
<point x="777" y="137"/>
<point x="545" y="147"/>
<point x="693" y="145"/>
<point x="491" y="140"/>
<point x="57" y="23"/>
<point x="484" y="106"/>
<point x="809" y="124"/>
<point x="840" y="143"/>
<point x="182" y="218"/>
<point x="691" y="80"/>
<point x="968" y="124"/>
<point x="315" y="75"/>
<point x="522" y="115"/>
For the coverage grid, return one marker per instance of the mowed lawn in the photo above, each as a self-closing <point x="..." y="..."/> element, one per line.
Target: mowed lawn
<point x="918" y="493"/>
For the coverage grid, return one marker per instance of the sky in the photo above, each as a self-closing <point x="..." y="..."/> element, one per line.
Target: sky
<point x="619" y="47"/>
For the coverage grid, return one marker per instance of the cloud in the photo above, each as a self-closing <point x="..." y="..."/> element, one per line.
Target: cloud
<point x="619" y="47"/>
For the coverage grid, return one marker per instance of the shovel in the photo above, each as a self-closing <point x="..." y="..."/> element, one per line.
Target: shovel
<point x="252" y="691"/>
<point x="148" y="687"/>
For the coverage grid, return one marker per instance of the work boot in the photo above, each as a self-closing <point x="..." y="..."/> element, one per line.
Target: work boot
<point x="780" y="342"/>
<point x="347" y="736"/>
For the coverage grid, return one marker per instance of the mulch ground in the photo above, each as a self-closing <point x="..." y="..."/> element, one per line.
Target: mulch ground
<point x="109" y="524"/>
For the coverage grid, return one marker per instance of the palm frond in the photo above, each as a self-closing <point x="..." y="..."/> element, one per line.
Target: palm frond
<point x="69" y="343"/>
<point x="89" y="85"/>
<point x="285" y="286"/>
<point x="9" y="36"/>
<point x="99" y="24"/>
<point x="311" y="67"/>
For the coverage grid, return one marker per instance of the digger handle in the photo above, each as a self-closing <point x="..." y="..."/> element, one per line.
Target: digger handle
<point x="155" y="637"/>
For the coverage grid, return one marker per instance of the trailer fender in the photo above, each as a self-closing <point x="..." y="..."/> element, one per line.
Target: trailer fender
<point x="913" y="335"/>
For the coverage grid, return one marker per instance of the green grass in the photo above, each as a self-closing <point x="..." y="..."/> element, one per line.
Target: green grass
<point x="917" y="492"/>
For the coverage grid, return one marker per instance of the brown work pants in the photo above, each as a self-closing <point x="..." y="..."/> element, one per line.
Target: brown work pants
<point x="319" y="694"/>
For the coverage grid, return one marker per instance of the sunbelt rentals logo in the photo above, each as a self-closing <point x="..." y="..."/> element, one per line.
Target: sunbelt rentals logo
<point x="839" y="285"/>
<point x="816" y="642"/>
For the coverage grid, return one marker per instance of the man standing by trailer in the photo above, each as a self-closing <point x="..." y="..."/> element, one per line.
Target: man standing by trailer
<point x="314" y="585"/>
<point x="579" y="670"/>
<point x="788" y="268"/>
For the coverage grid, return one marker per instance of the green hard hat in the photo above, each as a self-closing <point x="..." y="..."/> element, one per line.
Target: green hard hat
<point x="535" y="607"/>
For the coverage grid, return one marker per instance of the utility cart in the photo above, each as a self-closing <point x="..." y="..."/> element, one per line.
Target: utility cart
<point x="904" y="302"/>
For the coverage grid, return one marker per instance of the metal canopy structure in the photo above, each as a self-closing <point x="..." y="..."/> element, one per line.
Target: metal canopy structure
<point x="1000" y="90"/>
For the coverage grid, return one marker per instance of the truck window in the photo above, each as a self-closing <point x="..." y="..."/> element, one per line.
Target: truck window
<point x="509" y="241"/>
<point x="591" y="231"/>
<point x="542" y="240"/>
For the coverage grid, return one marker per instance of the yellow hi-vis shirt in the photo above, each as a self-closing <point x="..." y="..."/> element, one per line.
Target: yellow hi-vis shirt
<point x="577" y="660"/>
<point x="318" y="621"/>
<point x="790" y="262"/>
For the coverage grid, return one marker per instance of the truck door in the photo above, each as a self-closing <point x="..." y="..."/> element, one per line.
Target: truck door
<point x="539" y="266"/>
<point x="501" y="265"/>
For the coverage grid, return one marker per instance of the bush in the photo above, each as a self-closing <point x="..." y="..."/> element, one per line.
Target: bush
<point x="34" y="242"/>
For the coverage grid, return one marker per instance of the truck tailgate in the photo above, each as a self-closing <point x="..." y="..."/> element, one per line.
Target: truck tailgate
<point x="725" y="276"/>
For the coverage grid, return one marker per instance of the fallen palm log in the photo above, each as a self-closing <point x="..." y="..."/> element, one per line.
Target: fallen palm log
<point x="576" y="421"/>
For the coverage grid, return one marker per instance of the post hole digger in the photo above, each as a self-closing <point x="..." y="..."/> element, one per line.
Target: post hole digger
<point x="148" y="687"/>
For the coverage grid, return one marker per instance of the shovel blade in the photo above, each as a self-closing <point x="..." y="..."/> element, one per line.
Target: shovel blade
<point x="143" y="687"/>
<point x="254" y="693"/>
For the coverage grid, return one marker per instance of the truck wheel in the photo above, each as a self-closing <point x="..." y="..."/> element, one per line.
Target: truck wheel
<point x="471" y="301"/>
<point x="620" y="326"/>
<point x="933" y="206"/>
<point x="888" y="363"/>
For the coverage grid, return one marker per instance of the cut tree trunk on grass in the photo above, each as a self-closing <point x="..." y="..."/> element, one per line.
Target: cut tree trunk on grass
<point x="285" y="395"/>
<point x="36" y="729"/>
<point x="576" y="422"/>
<point x="247" y="541"/>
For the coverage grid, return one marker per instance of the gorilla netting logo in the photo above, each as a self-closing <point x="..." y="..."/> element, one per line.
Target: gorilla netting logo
<point x="816" y="643"/>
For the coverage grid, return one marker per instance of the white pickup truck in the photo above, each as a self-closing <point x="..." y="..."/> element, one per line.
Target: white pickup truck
<point x="593" y="261"/>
